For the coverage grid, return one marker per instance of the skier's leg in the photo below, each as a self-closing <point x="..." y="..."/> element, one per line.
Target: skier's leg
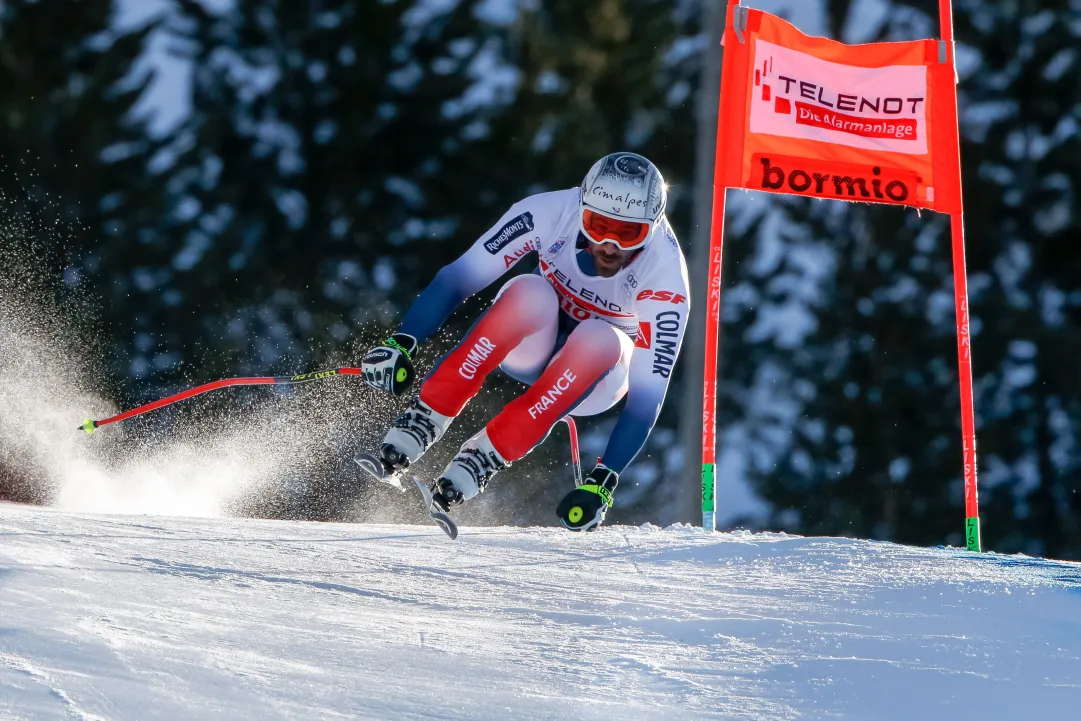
<point x="526" y="310"/>
<point x="592" y="365"/>
<point x="593" y="351"/>
<point x="610" y="389"/>
<point x="527" y="360"/>
<point x="524" y="317"/>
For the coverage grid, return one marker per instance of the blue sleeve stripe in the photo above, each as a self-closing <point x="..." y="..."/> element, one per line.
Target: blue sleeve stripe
<point x="629" y="436"/>
<point x="435" y="304"/>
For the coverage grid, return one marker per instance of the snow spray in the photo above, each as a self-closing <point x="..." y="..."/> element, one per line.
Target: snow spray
<point x="215" y="461"/>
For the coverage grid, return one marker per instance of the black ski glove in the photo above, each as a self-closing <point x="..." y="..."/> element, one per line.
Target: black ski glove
<point x="583" y="508"/>
<point x="389" y="366"/>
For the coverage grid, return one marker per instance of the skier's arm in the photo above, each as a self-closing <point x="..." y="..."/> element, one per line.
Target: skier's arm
<point x="650" y="371"/>
<point x="495" y="252"/>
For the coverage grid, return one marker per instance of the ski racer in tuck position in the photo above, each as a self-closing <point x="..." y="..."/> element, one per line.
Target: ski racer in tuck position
<point x="602" y="318"/>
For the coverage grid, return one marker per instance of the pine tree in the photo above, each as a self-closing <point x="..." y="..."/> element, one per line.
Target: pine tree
<point x="69" y="89"/>
<point x="1021" y="112"/>
<point x="72" y="187"/>
<point x="317" y="164"/>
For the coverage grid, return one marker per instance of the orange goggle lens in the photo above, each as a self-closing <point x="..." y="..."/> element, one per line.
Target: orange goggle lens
<point x="627" y="234"/>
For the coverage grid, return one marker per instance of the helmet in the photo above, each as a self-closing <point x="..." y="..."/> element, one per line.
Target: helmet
<point x="623" y="196"/>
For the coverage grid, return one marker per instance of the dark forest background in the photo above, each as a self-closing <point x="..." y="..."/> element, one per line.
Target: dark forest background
<point x="334" y="154"/>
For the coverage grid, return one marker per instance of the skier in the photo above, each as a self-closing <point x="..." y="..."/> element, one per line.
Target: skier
<point x="602" y="317"/>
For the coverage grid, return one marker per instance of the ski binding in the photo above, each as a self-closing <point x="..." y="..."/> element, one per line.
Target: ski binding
<point x="373" y="466"/>
<point x="441" y="519"/>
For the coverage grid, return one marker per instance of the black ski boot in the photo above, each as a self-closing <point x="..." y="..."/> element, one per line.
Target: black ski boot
<point x="445" y="495"/>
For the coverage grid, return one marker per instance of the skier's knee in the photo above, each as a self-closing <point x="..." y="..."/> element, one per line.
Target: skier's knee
<point x="532" y="292"/>
<point x="532" y="299"/>
<point x="599" y="339"/>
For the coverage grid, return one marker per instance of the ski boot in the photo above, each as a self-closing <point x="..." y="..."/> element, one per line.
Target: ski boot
<point x="468" y="473"/>
<point x="410" y="436"/>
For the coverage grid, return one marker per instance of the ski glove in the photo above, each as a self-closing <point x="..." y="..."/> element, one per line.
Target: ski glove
<point x="389" y="366"/>
<point x="583" y="508"/>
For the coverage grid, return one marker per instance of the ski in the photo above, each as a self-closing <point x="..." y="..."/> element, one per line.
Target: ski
<point x="441" y="519"/>
<point x="370" y="464"/>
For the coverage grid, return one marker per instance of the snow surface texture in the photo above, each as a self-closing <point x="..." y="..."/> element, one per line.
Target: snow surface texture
<point x="134" y="617"/>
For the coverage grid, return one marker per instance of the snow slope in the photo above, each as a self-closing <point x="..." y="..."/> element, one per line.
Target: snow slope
<point x="137" y="617"/>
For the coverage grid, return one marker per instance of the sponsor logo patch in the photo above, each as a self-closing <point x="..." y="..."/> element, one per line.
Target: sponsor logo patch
<point x="557" y="246"/>
<point x="797" y="95"/>
<point x="662" y="296"/>
<point x="378" y="355"/>
<point x="514" y="228"/>
<point x="645" y="335"/>
<point x="518" y="254"/>
<point x="622" y="202"/>
<point x="665" y="342"/>
<point x="314" y="376"/>
<point x="631" y="165"/>
<point x="579" y="302"/>
<point x="563" y="383"/>
<point x="481" y="350"/>
<point x="823" y="179"/>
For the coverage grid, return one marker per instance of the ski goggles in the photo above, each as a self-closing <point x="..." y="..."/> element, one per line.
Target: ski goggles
<point x="627" y="234"/>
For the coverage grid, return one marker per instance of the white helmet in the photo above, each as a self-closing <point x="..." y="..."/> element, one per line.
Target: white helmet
<point x="626" y="188"/>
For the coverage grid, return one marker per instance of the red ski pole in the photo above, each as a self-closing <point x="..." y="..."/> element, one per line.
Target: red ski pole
<point x="90" y="425"/>
<point x="576" y="463"/>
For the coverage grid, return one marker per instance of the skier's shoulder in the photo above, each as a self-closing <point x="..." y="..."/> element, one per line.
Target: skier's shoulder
<point x="550" y="202"/>
<point x="664" y="257"/>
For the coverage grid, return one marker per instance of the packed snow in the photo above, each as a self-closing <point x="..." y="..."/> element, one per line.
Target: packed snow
<point x="140" y="617"/>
